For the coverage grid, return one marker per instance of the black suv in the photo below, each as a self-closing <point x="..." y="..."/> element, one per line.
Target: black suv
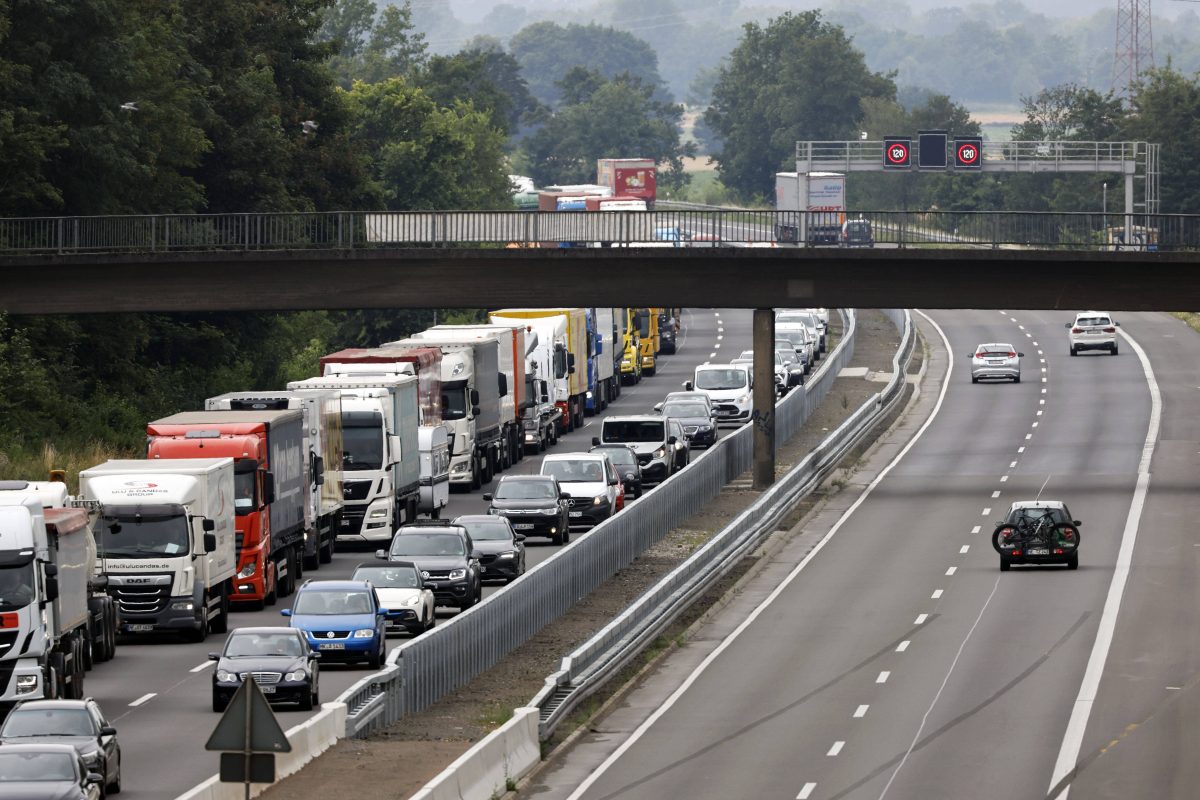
<point x="535" y="505"/>
<point x="446" y="556"/>
<point x="625" y="459"/>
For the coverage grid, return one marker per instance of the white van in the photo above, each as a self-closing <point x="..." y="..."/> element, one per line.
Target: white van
<point x="730" y="388"/>
<point x="591" y="482"/>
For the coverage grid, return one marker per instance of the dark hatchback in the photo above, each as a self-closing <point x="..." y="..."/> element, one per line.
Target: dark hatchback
<point x="446" y="556"/>
<point x="625" y="459"/>
<point x="698" y="424"/>
<point x="535" y="505"/>
<point x="279" y="660"/>
<point x="46" y="771"/>
<point x="79" y="723"/>
<point x="501" y="549"/>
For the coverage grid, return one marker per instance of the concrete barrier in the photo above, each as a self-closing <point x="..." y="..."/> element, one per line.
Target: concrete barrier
<point x="309" y="739"/>
<point x="504" y="756"/>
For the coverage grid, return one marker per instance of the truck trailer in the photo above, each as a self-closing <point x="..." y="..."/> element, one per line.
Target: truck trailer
<point x="568" y="329"/>
<point x="810" y="208"/>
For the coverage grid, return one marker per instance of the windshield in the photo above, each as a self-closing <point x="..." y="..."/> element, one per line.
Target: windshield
<point x="796" y="317"/>
<point x="37" y="767"/>
<point x="48" y="722"/>
<point x="797" y="337"/>
<point x="143" y="536"/>
<point x="428" y="544"/>
<point x="388" y="577"/>
<point x="330" y="602"/>
<point x="633" y="431"/>
<point x="362" y="445"/>
<point x="574" y="471"/>
<point x="623" y="456"/>
<point x="1093" y="321"/>
<point x="720" y="379"/>
<point x="243" y="492"/>
<point x="685" y="410"/>
<point x="16" y="586"/>
<point x="489" y="531"/>
<point x="526" y="490"/>
<point x="263" y="644"/>
<point x="454" y="404"/>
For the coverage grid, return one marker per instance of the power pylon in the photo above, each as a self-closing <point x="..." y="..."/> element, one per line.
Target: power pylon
<point x="1135" y="45"/>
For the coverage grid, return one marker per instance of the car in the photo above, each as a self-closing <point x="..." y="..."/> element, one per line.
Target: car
<point x="856" y="233"/>
<point x="1093" y="330"/>
<point x="402" y="593"/>
<point x="590" y="481"/>
<point x="666" y="341"/>
<point x="1037" y="532"/>
<point x="730" y="387"/>
<point x="535" y="505"/>
<point x="995" y="360"/>
<point x="341" y="620"/>
<point x="501" y="549"/>
<point x="682" y="445"/>
<point x="625" y="460"/>
<point x="688" y="395"/>
<point x="648" y="436"/>
<point x="46" y="772"/>
<point x="803" y="340"/>
<point x="78" y="723"/>
<point x="281" y="661"/>
<point x="699" y="424"/>
<point x="793" y="362"/>
<point x="810" y="319"/>
<point x="446" y="556"/>
<point x="744" y="357"/>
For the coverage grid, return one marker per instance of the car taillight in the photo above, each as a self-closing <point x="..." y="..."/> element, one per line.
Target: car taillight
<point x="1076" y="330"/>
<point x="1012" y="355"/>
<point x="1110" y="330"/>
<point x="1068" y="533"/>
<point x="981" y="355"/>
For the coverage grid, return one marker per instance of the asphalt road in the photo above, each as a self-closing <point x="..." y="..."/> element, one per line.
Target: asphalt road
<point x="896" y="660"/>
<point x="157" y="692"/>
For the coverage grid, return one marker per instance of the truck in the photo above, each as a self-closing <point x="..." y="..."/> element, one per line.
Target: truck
<point x="423" y="362"/>
<point x="602" y="386"/>
<point x="569" y="328"/>
<point x="608" y="345"/>
<point x="434" y="443"/>
<point x="322" y="410"/>
<point x="632" y="177"/>
<point x="381" y="460"/>
<point x="471" y="390"/>
<point x="821" y="196"/>
<point x="646" y="320"/>
<point x="166" y="541"/>
<point x="630" y="363"/>
<point x="52" y="600"/>
<point x="517" y="397"/>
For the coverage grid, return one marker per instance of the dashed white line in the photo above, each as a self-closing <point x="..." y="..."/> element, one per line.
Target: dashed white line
<point x="1039" y="412"/>
<point x="937" y="595"/>
<point x="807" y="791"/>
<point x="986" y="512"/>
<point x="1020" y="449"/>
<point x="1044" y="390"/>
<point x="1013" y="465"/>
<point x="963" y="550"/>
<point x="951" y="570"/>
<point x="1040" y="353"/>
<point x="1012" y="319"/>
<point x="975" y="529"/>
<point x="995" y="494"/>
<point x="1045" y="379"/>
<point x="1042" y="401"/>
<point x="1035" y="345"/>
<point x="883" y="676"/>
<point x="719" y="337"/>
<point x="837" y="748"/>
<point x="712" y="355"/>
<point x="860" y="712"/>
<point x="900" y="648"/>
<point x="202" y="667"/>
<point x="1035" y="424"/>
<point x="1004" y="479"/>
<point x="143" y="699"/>
<point x="1028" y="436"/>
<point x="920" y="620"/>
<point x="1022" y="327"/>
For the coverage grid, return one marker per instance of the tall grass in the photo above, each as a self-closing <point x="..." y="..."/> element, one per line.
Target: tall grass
<point x="20" y="464"/>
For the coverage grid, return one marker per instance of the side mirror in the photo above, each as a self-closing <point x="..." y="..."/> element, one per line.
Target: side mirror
<point x="687" y="385"/>
<point x="595" y="441"/>
<point x="503" y="382"/>
<point x="545" y="398"/>
<point x="1116" y="324"/>
<point x="476" y="555"/>
<point x="318" y="470"/>
<point x="970" y="355"/>
<point x="381" y="612"/>
<point x="268" y="488"/>
<point x="571" y="361"/>
<point x="658" y="407"/>
<point x="519" y="537"/>
<point x="474" y="411"/>
<point x="564" y="496"/>
<point x="51" y="587"/>
<point x="474" y="397"/>
<point x="214" y="656"/>
<point x="93" y="778"/>
<point x="394" y="448"/>
<point x="671" y="440"/>
<point x="381" y="554"/>
<point x="1076" y="523"/>
<point x="108" y="730"/>
<point x="314" y="656"/>
<point x="1068" y="325"/>
<point x="210" y="542"/>
<point x="613" y="482"/>
<point x="1020" y="355"/>
<point x="287" y="612"/>
<point x="487" y="496"/>
<point x="208" y="525"/>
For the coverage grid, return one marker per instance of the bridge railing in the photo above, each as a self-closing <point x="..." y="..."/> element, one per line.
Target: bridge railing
<point x="678" y="227"/>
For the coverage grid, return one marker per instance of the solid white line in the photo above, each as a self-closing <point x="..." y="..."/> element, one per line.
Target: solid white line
<point x="837" y="748"/>
<point x="883" y="676"/>
<point x="949" y="672"/>
<point x="860" y="712"/>
<point x="937" y="595"/>
<point x="995" y="494"/>
<point x="143" y="699"/>
<point x="963" y="550"/>
<point x="900" y="648"/>
<point x="1068" y="754"/>
<point x="976" y="529"/>
<point x="951" y="570"/>
<point x="807" y="791"/>
<point x="202" y="667"/>
<point x="640" y="731"/>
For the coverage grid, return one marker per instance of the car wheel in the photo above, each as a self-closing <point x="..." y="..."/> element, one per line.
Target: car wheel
<point x="431" y="620"/>
<point x="115" y="786"/>
<point x="1017" y="379"/>
<point x="1114" y="349"/>
<point x="218" y="704"/>
<point x="1073" y="561"/>
<point x="974" y="379"/>
<point x="1074" y="351"/>
<point x="376" y="659"/>
<point x="306" y="700"/>
<point x="1005" y="565"/>
<point x="556" y="539"/>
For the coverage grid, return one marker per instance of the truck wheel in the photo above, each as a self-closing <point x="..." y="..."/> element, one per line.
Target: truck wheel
<point x="200" y="632"/>
<point x="112" y="624"/>
<point x="289" y="581"/>
<point x="221" y="624"/>
<point x="325" y="554"/>
<point x="649" y="371"/>
<point x="88" y="651"/>
<point x="313" y="562"/>
<point x="475" y="479"/>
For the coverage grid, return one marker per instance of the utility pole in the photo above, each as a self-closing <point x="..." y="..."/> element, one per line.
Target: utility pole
<point x="1135" y="46"/>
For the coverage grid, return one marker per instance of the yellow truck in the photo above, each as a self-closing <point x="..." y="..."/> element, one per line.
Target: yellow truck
<point x="631" y="358"/>
<point x="646" y="323"/>
<point x="563" y="347"/>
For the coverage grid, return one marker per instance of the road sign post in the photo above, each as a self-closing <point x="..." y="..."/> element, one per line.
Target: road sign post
<point x="248" y="735"/>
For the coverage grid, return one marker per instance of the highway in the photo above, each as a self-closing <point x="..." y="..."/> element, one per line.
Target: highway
<point x="158" y="692"/>
<point x="896" y="660"/>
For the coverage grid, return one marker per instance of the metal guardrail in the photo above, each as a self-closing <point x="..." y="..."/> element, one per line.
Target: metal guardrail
<point x="593" y="663"/>
<point x="694" y="226"/>
<point x="422" y="670"/>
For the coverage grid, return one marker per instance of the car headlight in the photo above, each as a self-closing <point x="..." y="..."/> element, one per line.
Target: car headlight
<point x="379" y="513"/>
<point x="183" y="605"/>
<point x="506" y="556"/>
<point x="248" y="570"/>
<point x="297" y="675"/>
<point x="625" y="362"/>
<point x="415" y="600"/>
<point x="463" y="466"/>
<point x="550" y="512"/>
<point x="746" y="398"/>
<point x="91" y="759"/>
<point x="660" y="452"/>
<point x="458" y="574"/>
<point x="226" y="677"/>
<point x="27" y="684"/>
<point x="596" y="501"/>
<point x="364" y="633"/>
<point x="629" y="476"/>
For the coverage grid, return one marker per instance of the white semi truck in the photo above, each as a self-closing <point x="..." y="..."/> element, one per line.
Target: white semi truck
<point x="166" y="541"/>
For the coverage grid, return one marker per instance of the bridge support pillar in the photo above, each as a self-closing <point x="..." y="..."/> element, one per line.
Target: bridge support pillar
<point x="764" y="398"/>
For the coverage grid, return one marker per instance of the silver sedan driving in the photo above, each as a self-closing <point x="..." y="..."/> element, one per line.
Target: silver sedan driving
<point x="996" y="360"/>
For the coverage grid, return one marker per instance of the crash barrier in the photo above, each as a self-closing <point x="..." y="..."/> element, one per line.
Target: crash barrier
<point x="422" y="670"/>
<point x="487" y="770"/>
<point x="594" y="662"/>
<point x="682" y="225"/>
<point x="308" y="739"/>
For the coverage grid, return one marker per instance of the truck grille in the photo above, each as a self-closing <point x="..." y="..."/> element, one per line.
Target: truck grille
<point x="355" y="490"/>
<point x="352" y="520"/>
<point x="140" y="594"/>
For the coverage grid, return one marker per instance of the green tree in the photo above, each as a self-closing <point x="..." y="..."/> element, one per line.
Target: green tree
<point x="606" y="119"/>
<point x="798" y="78"/>
<point x="490" y="79"/>
<point x="370" y="45"/>
<point x="1165" y="108"/>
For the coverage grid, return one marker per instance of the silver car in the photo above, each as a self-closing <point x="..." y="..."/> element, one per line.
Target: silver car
<point x="996" y="360"/>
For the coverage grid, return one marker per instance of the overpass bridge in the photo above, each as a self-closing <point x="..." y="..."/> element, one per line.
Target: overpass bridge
<point x="697" y="257"/>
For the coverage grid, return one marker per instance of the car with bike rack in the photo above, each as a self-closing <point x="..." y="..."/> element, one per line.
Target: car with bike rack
<point x="1037" y="532"/>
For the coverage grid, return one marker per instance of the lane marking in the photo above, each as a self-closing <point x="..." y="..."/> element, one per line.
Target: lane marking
<point x="1043" y="379"/>
<point x="1041" y="401"/>
<point x="883" y="676"/>
<point x="937" y="595"/>
<point x="1022" y="327"/>
<point x="807" y="791"/>
<point x="1044" y="390"/>
<point x="1028" y="436"/>
<point x="143" y="699"/>
<point x="995" y="494"/>
<point x="976" y="529"/>
<point x="986" y="511"/>
<point x="1035" y="424"/>
<point x="1020" y="449"/>
<point x="1035" y="344"/>
<point x="837" y="748"/>
<point x="202" y="667"/>
<point x="920" y="620"/>
<point x="1012" y="465"/>
<point x="719" y="337"/>
<point x="1012" y="319"/>
<point x="712" y="355"/>
<point x="687" y="683"/>
<point x="942" y="688"/>
<point x="1003" y="479"/>
<point x="1039" y="412"/>
<point x="1068" y="754"/>
<point x="951" y="570"/>
<point x="963" y="550"/>
<point x="900" y="648"/>
<point x="860" y="712"/>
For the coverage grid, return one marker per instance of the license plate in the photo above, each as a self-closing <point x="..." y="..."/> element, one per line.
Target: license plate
<point x="139" y="628"/>
<point x="576" y="513"/>
<point x="1038" y="551"/>
<point x="523" y="526"/>
<point x="332" y="646"/>
<point x="267" y="689"/>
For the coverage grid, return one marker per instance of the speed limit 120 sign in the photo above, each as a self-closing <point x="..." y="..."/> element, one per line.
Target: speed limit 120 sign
<point x="968" y="153"/>
<point x="897" y="153"/>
